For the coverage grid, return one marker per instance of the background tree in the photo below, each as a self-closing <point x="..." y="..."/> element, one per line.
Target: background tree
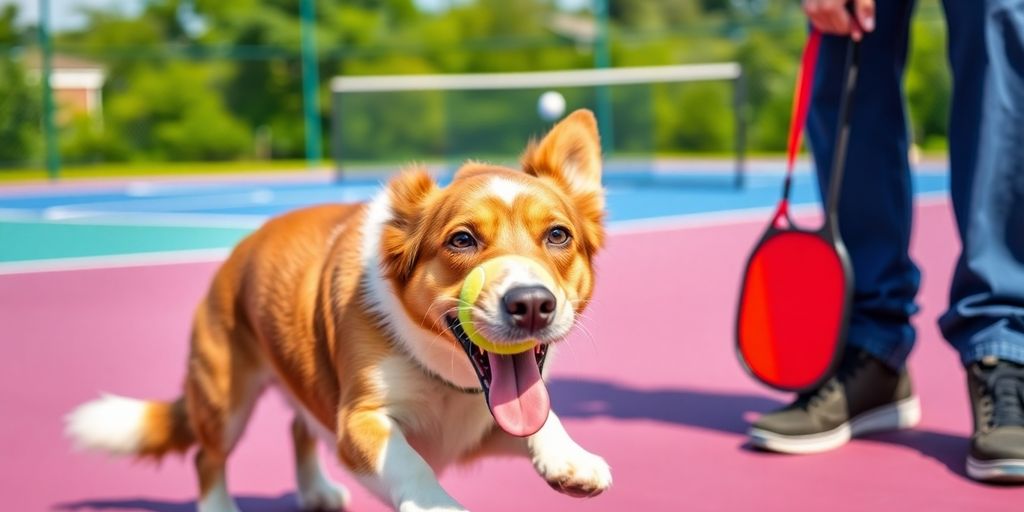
<point x="19" y="98"/>
<point x="209" y="79"/>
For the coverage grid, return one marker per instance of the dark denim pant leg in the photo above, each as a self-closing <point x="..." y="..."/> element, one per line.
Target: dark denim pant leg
<point x="876" y="202"/>
<point x="986" y="313"/>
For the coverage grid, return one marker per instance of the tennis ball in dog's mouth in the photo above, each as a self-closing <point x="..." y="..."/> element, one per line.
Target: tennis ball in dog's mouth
<point x="472" y="286"/>
<point x="510" y="373"/>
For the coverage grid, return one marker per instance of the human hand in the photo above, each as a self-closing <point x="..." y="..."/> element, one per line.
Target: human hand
<point x="832" y="17"/>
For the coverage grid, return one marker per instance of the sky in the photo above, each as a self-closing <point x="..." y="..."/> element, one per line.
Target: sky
<point x="65" y="13"/>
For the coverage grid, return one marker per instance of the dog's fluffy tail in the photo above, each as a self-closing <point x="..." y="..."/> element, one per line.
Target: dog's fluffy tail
<point x="126" y="426"/>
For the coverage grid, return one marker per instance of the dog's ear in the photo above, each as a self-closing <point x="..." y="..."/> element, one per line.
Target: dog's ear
<point x="411" y="193"/>
<point x="570" y="154"/>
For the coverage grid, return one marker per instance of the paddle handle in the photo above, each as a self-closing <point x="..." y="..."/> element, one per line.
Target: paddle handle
<point x="852" y="69"/>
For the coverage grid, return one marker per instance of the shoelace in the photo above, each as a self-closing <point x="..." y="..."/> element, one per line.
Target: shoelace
<point x="852" y="364"/>
<point x="1004" y="384"/>
<point x="815" y="397"/>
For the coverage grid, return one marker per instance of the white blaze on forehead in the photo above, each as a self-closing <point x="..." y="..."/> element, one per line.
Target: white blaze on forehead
<point x="519" y="271"/>
<point x="507" y="190"/>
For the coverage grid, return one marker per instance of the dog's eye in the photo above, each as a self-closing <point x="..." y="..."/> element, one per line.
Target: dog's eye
<point x="461" y="240"/>
<point x="558" y="236"/>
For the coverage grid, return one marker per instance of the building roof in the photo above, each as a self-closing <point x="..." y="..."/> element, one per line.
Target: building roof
<point x="60" y="61"/>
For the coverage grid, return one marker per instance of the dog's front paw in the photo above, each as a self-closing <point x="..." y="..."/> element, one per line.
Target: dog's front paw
<point x="429" y="499"/>
<point x="411" y="506"/>
<point x="322" y="494"/>
<point x="574" y="471"/>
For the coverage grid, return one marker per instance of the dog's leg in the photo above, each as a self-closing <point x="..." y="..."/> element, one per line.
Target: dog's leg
<point x="316" y="490"/>
<point x="566" y="466"/>
<point x="223" y="383"/>
<point x="218" y="432"/>
<point x="213" y="492"/>
<point x="377" y="452"/>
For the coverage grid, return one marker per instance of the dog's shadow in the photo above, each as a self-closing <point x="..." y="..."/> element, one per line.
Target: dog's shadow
<point x="283" y="503"/>
<point x="584" y="399"/>
<point x="713" y="410"/>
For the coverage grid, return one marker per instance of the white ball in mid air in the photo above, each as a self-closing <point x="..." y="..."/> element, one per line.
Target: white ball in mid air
<point x="551" y="105"/>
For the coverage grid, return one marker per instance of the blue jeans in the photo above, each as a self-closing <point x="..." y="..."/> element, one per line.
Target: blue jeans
<point x="986" y="140"/>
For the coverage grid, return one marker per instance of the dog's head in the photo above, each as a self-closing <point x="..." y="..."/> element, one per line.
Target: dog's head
<point x="536" y="229"/>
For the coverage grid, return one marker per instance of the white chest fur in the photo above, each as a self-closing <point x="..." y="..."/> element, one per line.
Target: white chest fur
<point x="440" y="422"/>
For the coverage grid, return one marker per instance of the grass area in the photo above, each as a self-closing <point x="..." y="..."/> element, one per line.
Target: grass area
<point x="130" y="170"/>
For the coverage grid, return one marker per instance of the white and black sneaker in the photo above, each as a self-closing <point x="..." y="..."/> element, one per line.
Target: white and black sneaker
<point x="865" y="396"/>
<point x="997" y="396"/>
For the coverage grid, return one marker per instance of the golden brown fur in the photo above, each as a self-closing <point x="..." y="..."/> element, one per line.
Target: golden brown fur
<point x="290" y="307"/>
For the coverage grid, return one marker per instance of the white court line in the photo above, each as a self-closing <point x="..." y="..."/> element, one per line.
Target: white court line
<point x="712" y="219"/>
<point x="106" y="212"/>
<point x="81" y="214"/>
<point x="18" y="215"/>
<point x="169" y="219"/>
<point x="627" y="227"/>
<point x="143" y="259"/>
<point x="259" y="197"/>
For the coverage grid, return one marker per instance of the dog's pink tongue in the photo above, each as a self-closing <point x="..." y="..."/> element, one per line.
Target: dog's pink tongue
<point x="519" y="401"/>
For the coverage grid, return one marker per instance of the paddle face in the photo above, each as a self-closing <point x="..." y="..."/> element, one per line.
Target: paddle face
<point x="794" y="308"/>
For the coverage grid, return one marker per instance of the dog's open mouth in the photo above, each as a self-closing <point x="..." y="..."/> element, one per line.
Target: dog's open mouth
<point x="512" y="384"/>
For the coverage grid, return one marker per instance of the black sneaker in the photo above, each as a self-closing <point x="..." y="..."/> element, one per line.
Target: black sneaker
<point x="997" y="396"/>
<point x="865" y="396"/>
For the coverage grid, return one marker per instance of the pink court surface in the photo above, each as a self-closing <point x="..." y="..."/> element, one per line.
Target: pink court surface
<point x="655" y="389"/>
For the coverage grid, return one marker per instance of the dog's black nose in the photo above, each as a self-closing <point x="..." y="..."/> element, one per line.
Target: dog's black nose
<point x="530" y="307"/>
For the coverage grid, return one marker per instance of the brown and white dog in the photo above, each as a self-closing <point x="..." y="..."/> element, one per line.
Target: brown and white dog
<point x="347" y="309"/>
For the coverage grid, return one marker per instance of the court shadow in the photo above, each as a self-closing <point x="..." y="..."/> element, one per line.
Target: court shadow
<point x="712" y="410"/>
<point x="284" y="503"/>
<point x="723" y="412"/>
<point x="948" y="449"/>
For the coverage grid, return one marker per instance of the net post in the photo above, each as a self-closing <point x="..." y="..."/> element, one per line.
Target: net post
<point x="310" y="84"/>
<point x="49" y="131"/>
<point x="602" y="60"/>
<point x="336" y="139"/>
<point x="739" y="110"/>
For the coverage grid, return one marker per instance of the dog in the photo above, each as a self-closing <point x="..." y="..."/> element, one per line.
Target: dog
<point x="350" y="310"/>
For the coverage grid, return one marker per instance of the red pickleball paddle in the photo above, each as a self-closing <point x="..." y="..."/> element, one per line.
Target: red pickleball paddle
<point x="797" y="290"/>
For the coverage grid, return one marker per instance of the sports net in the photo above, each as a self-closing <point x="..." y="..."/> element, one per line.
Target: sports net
<point x="649" y="117"/>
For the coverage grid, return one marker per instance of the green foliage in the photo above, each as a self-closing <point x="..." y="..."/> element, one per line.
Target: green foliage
<point x="928" y="86"/>
<point x="177" y="113"/>
<point x="177" y="93"/>
<point x="770" y="66"/>
<point x="695" y="116"/>
<point x="19" y="102"/>
<point x="653" y="14"/>
<point x="9" y="34"/>
<point x="84" y="140"/>
<point x="19" y="114"/>
<point x="396" y="127"/>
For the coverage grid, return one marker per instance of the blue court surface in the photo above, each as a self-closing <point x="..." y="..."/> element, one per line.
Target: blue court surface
<point x="66" y="221"/>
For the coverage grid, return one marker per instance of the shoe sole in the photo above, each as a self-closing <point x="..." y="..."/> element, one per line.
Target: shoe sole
<point x="1001" y="470"/>
<point x="896" y="416"/>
